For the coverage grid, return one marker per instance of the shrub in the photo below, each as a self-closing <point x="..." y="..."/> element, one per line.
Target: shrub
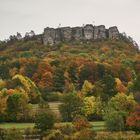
<point x="84" y="135"/>
<point x="117" y="136"/>
<point x="114" y="120"/>
<point x="44" y="121"/>
<point x="66" y="128"/>
<point x="55" y="135"/>
<point x="80" y="123"/>
<point x="133" y="120"/>
<point x="13" y="135"/>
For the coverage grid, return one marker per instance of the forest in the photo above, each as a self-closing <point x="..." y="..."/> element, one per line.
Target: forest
<point x="77" y="90"/>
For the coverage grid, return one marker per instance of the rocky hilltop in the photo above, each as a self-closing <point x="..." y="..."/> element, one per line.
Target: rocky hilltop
<point x="53" y="36"/>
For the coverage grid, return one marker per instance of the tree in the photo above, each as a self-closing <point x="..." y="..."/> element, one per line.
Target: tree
<point x="71" y="106"/>
<point x="133" y="120"/>
<point x="84" y="75"/>
<point x="44" y="122"/>
<point x="136" y="88"/>
<point x="123" y="103"/>
<point x="73" y="70"/>
<point x="3" y="104"/>
<point x="4" y="71"/>
<point x="30" y="69"/>
<point x="87" y="87"/>
<point x="117" y="110"/>
<point x="101" y="71"/>
<point x="80" y="123"/>
<point x="109" y="86"/>
<point x="114" y="120"/>
<point x="29" y="86"/>
<point x="59" y="80"/>
<point x="119" y="86"/>
<point x="17" y="106"/>
<point x="92" y="107"/>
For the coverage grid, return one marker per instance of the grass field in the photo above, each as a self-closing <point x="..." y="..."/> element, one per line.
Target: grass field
<point x="97" y="126"/>
<point x="16" y="125"/>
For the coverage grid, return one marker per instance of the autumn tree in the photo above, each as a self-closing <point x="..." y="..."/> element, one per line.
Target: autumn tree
<point x="92" y="107"/>
<point x="29" y="87"/>
<point x="80" y="123"/>
<point x="87" y="87"/>
<point x="118" y="109"/>
<point x="133" y="120"/>
<point x="120" y="86"/>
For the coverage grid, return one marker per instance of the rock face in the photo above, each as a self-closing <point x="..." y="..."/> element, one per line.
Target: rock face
<point x="53" y="36"/>
<point x="77" y="33"/>
<point x="100" y="32"/>
<point x="49" y="36"/>
<point x="88" y="32"/>
<point x="113" y="32"/>
<point x="66" y="33"/>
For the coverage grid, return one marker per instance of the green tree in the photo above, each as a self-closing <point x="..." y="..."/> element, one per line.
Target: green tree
<point x="44" y="122"/>
<point x="71" y="106"/>
<point x="84" y="75"/>
<point x="73" y="70"/>
<point x="114" y="120"/>
<point x="136" y="85"/>
<point x="100" y="70"/>
<point x="30" y="69"/>
<point x="109" y="86"/>
<point x="17" y="106"/>
<point x="4" y="71"/>
<point x="59" y="80"/>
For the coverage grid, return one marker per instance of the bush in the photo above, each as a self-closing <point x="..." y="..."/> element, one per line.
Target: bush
<point x="80" y="123"/>
<point x="55" y="135"/>
<point x="117" y="136"/>
<point x="44" y="121"/>
<point x="133" y="120"/>
<point x="66" y="128"/>
<point x="13" y="135"/>
<point x="2" y="134"/>
<point x="114" y="120"/>
<point x="84" y="135"/>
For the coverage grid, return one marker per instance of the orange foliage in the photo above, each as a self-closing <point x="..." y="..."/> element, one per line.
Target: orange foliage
<point x="10" y="91"/>
<point x="134" y="119"/>
<point x="80" y="123"/>
<point x="120" y="87"/>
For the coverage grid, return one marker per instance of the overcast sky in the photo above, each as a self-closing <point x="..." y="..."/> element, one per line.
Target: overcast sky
<point x="25" y="15"/>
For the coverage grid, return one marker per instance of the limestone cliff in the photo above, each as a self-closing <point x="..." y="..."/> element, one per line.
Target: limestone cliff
<point x="53" y="36"/>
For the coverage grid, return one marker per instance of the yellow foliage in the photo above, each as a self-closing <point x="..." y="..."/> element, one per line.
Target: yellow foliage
<point x="87" y="87"/>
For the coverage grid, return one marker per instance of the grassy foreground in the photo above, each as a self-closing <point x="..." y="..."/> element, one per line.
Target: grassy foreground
<point x="16" y="125"/>
<point x="97" y="126"/>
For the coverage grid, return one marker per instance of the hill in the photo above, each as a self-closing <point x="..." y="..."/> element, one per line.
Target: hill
<point x="118" y="57"/>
